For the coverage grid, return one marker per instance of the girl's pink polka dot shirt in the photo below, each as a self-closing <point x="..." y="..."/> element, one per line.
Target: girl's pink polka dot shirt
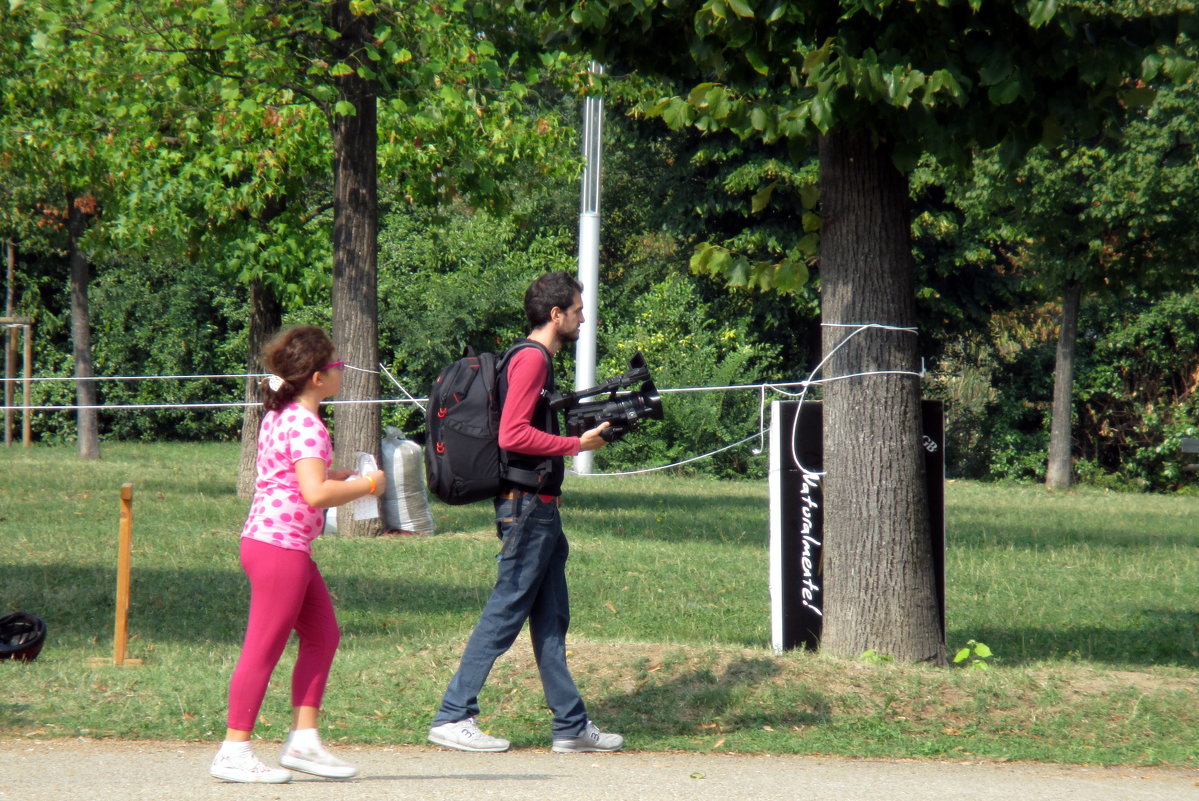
<point x="278" y="514"/>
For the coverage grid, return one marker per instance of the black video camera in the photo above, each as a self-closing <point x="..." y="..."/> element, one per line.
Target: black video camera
<point x="624" y="410"/>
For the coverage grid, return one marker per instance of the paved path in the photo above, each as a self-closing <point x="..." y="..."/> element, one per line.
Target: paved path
<point x="107" y="770"/>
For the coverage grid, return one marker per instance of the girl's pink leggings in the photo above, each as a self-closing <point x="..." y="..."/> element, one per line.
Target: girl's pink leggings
<point x="286" y="592"/>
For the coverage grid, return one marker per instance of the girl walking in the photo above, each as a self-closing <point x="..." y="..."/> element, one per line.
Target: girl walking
<point x="287" y="591"/>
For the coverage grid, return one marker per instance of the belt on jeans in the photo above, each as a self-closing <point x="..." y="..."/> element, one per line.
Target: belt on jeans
<point x="513" y="494"/>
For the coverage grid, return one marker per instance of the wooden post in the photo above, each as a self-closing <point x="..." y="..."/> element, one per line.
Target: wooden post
<point x="124" y="556"/>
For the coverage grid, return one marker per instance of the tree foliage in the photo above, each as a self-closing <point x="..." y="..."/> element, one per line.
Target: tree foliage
<point x="879" y="83"/>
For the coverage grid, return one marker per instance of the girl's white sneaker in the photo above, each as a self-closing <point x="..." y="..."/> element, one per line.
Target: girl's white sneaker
<point x="317" y="761"/>
<point x="246" y="768"/>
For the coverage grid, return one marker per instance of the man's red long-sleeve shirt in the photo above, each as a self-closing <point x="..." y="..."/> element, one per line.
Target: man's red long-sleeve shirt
<point x="526" y="378"/>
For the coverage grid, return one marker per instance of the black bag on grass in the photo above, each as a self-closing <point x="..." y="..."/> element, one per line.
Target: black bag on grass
<point x="22" y="636"/>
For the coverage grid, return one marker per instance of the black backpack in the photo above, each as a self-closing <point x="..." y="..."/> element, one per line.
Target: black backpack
<point x="463" y="459"/>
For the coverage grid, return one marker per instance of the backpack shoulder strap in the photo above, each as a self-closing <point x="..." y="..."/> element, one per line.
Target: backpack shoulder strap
<point x="502" y="390"/>
<point x="520" y="345"/>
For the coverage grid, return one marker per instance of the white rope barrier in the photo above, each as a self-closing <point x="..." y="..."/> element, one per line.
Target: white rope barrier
<point x="762" y="388"/>
<point x="136" y="377"/>
<point x="160" y="406"/>
<point x="675" y="464"/>
<point x="401" y="386"/>
<point x="857" y="329"/>
<point x="810" y="382"/>
<point x="419" y="401"/>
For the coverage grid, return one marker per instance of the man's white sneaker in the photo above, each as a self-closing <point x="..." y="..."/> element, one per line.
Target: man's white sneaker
<point x="317" y="761"/>
<point x="465" y="735"/>
<point x="246" y="768"/>
<point x="589" y="741"/>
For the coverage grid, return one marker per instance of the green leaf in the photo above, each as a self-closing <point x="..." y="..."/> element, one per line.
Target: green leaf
<point x="761" y="198"/>
<point x="1151" y="66"/>
<point x="341" y="68"/>
<point x="809" y="195"/>
<point x="741" y="8"/>
<point x="755" y="59"/>
<point x="699" y="94"/>
<point x="817" y="57"/>
<point x="808" y="246"/>
<point x="717" y="101"/>
<point x="822" y="113"/>
<point x="677" y="113"/>
<point x="701" y="258"/>
<point x="1003" y="93"/>
<point x="344" y="108"/>
<point x="1041" y="11"/>
<point x="721" y="261"/>
<point x="981" y="650"/>
<point x="739" y="273"/>
<point x="789" y="275"/>
<point x="656" y="109"/>
<point x="962" y="655"/>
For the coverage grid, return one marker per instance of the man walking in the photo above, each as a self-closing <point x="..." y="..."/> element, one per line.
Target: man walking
<point x="531" y="581"/>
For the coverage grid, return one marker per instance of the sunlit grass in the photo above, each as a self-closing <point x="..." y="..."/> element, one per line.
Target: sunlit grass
<point x="1086" y="599"/>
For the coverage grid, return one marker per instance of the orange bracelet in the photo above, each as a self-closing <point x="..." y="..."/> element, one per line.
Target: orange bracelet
<point x="371" y="481"/>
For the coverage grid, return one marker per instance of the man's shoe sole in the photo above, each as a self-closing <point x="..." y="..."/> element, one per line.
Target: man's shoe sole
<point x="584" y="749"/>
<point x="495" y="749"/>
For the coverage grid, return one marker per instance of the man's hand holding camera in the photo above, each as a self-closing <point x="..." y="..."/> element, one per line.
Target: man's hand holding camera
<point x="593" y="440"/>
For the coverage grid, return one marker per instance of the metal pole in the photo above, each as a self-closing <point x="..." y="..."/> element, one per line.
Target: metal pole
<point x="10" y="343"/>
<point x="10" y="372"/>
<point x="589" y="229"/>
<point x="26" y="415"/>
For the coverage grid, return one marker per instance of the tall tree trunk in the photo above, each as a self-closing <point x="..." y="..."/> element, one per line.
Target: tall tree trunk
<point x="87" y="420"/>
<point x="355" y="247"/>
<point x="880" y="587"/>
<point x="1059" y="475"/>
<point x="266" y="316"/>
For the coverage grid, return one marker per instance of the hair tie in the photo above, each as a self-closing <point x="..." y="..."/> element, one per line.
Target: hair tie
<point x="274" y="382"/>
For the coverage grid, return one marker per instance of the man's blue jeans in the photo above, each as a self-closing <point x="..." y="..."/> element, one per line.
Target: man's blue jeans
<point x="531" y="585"/>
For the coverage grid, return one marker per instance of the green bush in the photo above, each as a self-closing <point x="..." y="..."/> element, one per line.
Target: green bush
<point x="149" y="319"/>
<point x="685" y="347"/>
<point x="1136" y="394"/>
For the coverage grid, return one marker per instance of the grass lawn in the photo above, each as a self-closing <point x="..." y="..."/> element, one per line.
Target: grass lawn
<point x="1087" y="599"/>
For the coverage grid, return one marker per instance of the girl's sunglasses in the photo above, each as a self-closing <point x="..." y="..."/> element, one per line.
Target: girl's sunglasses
<point x="340" y="366"/>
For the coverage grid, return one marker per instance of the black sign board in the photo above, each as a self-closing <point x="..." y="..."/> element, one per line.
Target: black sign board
<point x="797" y="517"/>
